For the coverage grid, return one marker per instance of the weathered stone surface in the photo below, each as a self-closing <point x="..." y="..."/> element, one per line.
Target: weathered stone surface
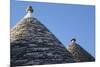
<point x="79" y="53"/>
<point x="32" y="43"/>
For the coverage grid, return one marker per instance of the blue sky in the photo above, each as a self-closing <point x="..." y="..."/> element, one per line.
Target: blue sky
<point x="65" y="21"/>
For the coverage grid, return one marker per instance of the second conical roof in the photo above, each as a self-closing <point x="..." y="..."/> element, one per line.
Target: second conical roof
<point x="80" y="54"/>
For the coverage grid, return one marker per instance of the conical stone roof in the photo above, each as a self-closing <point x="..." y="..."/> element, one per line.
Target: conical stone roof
<point x="33" y="44"/>
<point x="80" y="54"/>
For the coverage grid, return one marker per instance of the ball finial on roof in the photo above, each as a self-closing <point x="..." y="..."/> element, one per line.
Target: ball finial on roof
<point x="29" y="9"/>
<point x="73" y="40"/>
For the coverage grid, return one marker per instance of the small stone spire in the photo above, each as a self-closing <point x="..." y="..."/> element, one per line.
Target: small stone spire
<point x="29" y="11"/>
<point x="73" y="40"/>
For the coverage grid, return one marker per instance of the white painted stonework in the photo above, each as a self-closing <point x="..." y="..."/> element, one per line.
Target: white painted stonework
<point x="29" y="14"/>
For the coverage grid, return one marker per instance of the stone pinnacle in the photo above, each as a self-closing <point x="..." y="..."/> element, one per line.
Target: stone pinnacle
<point x="73" y="40"/>
<point x="29" y="9"/>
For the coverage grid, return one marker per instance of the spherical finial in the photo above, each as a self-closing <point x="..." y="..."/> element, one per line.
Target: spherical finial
<point x="73" y="40"/>
<point x="29" y="9"/>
